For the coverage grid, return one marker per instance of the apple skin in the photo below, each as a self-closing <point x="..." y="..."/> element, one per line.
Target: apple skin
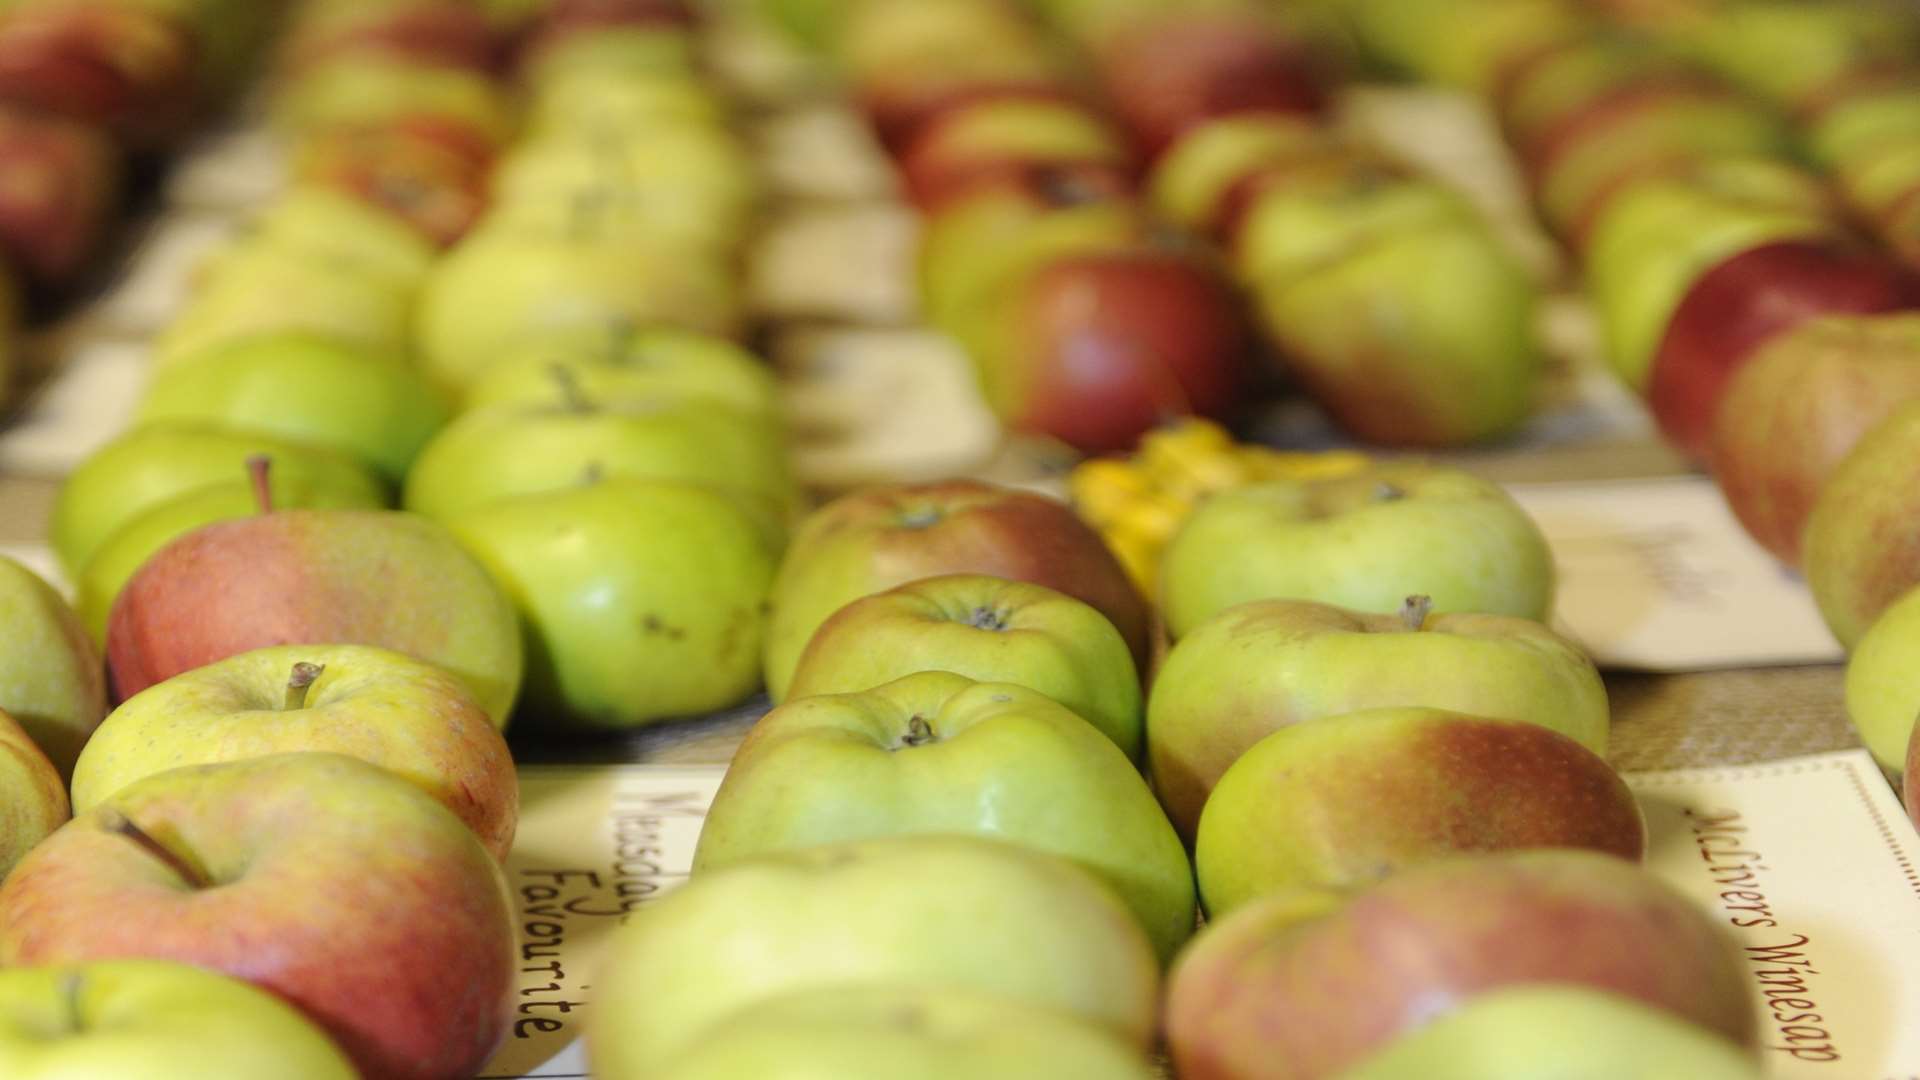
<point x="307" y="389"/>
<point x="33" y="798"/>
<point x="1365" y="541"/>
<point x="949" y="153"/>
<point x="154" y="1020"/>
<point x="1523" y="1032"/>
<point x="1883" y="685"/>
<point x="417" y="721"/>
<point x="884" y="1032"/>
<point x="630" y="364"/>
<point x="1279" y="992"/>
<point x="52" y="681"/>
<point x="313" y="577"/>
<point x="964" y="912"/>
<point x="429" y="171"/>
<point x="1341" y="802"/>
<point x="106" y="65"/>
<point x="885" y="536"/>
<point x="301" y="847"/>
<point x="1745" y="301"/>
<point x="367" y="89"/>
<point x="257" y="289"/>
<point x="640" y="601"/>
<point x="1192" y="178"/>
<point x="430" y="32"/>
<point x="1001" y="761"/>
<point x="988" y="629"/>
<point x="1861" y="550"/>
<point x="1101" y="347"/>
<point x="338" y="227"/>
<point x="63" y="184"/>
<point x="152" y="465"/>
<point x="1790" y="415"/>
<point x="1259" y="667"/>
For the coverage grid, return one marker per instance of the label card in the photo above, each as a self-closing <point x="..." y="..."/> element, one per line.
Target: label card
<point x="1657" y="575"/>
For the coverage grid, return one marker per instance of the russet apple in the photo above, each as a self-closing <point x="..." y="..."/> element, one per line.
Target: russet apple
<point x="1366" y="541"/>
<point x="885" y="536"/>
<point x="1261" y="666"/>
<point x="154" y="1020"/>
<point x="1790" y="415"/>
<point x="51" y="678"/>
<point x="415" y="720"/>
<point x="1282" y="990"/>
<point x="1883" y="684"/>
<point x="936" y="753"/>
<point x="1861" y="550"/>
<point x="988" y="629"/>
<point x="336" y="885"/>
<point x="964" y="912"/>
<point x="33" y="799"/>
<point x="1341" y="802"/>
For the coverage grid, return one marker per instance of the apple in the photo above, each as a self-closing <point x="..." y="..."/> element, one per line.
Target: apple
<point x="1096" y="349"/>
<point x="104" y="64"/>
<point x="1191" y="179"/>
<point x="936" y="753"/>
<point x="33" y="798"/>
<point x="359" y="89"/>
<point x="1170" y="74"/>
<point x="268" y="869"/>
<point x="974" y="251"/>
<point x="303" y="388"/>
<point x="640" y="600"/>
<point x="880" y="537"/>
<point x="948" y="154"/>
<point x="885" y="1032"/>
<point x="1259" y="667"/>
<point x="154" y="464"/>
<point x="1541" y="91"/>
<point x="416" y="720"/>
<point x="988" y="629"/>
<point x="431" y="33"/>
<point x="154" y="1020"/>
<point x="314" y="577"/>
<point x="1428" y="39"/>
<point x="1524" y="1032"/>
<point x="636" y="49"/>
<point x="336" y="226"/>
<point x="260" y="289"/>
<point x="1861" y="551"/>
<point x="959" y="912"/>
<point x="947" y="42"/>
<point x="1791" y="413"/>
<point x="1744" y="302"/>
<point x="590" y="102"/>
<point x="1883" y="684"/>
<point x="429" y="171"/>
<point x="63" y="185"/>
<point x="106" y="572"/>
<point x="1338" y="803"/>
<point x="1794" y="55"/>
<point x="626" y="362"/>
<point x="1365" y="540"/>
<point x="51" y="679"/>
<point x="1282" y="989"/>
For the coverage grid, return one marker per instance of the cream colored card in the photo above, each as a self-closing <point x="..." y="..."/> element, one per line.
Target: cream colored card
<point x="1656" y="575"/>
<point x="594" y="843"/>
<point x="84" y="404"/>
<point x="1811" y="864"/>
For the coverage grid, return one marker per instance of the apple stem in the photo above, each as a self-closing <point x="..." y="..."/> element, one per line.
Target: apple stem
<point x="1414" y="612"/>
<point x="121" y="824"/>
<point x="919" y="732"/>
<point x="260" y="471"/>
<point x="298" y="681"/>
<point x="573" y="397"/>
<point x="70" y="989"/>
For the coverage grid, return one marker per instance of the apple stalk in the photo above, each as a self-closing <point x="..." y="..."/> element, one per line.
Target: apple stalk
<point x="122" y="825"/>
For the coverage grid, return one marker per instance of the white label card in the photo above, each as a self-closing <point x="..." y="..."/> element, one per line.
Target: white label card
<point x="1657" y="575"/>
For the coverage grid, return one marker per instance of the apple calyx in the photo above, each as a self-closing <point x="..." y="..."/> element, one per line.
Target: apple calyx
<point x="919" y="733"/>
<point x="987" y="618"/>
<point x="298" y="681"/>
<point x="121" y="825"/>
<point x="1414" y="612"/>
<point x="260" y="471"/>
<point x="70" y="990"/>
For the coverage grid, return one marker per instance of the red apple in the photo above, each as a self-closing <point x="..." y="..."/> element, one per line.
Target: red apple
<point x="1745" y="301"/>
<point x="57" y="192"/>
<point x="1793" y="411"/>
<point x="109" y="65"/>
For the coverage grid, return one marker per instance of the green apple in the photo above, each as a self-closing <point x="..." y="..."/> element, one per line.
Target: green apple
<point x="260" y="289"/>
<point x="1257" y="667"/>
<point x="337" y="227"/>
<point x="937" y="753"/>
<point x="1364" y="540"/>
<point x="131" y="545"/>
<point x="156" y="463"/>
<point x="640" y="600"/>
<point x="986" y="628"/>
<point x="1340" y="802"/>
<point x="1432" y="41"/>
<point x="1883" y="682"/>
<point x="1315" y="213"/>
<point x="1525" y="1033"/>
<point x="941" y="912"/>
<point x="154" y="1020"/>
<point x="884" y="1032"/>
<point x="624" y="362"/>
<point x="416" y="720"/>
<point x="51" y="679"/>
<point x="332" y="883"/>
<point x="1876" y="114"/>
<point x="1861" y="551"/>
<point x="33" y="798"/>
<point x="306" y="389"/>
